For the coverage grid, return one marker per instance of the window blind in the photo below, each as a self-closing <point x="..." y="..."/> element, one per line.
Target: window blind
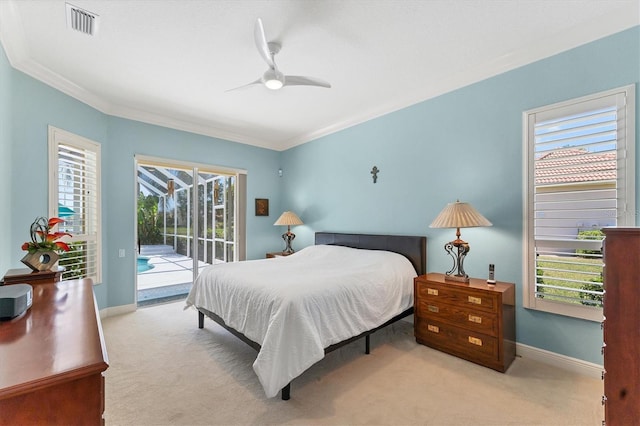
<point x="75" y="198"/>
<point x="577" y="184"/>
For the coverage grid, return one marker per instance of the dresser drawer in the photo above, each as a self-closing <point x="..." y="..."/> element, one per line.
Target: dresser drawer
<point x="470" y="319"/>
<point x="458" y="341"/>
<point x="473" y="298"/>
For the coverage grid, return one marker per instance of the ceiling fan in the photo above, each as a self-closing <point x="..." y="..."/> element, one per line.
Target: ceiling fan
<point x="272" y="78"/>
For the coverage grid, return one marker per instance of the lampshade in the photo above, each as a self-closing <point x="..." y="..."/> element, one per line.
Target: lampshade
<point x="288" y="219"/>
<point x="459" y="215"/>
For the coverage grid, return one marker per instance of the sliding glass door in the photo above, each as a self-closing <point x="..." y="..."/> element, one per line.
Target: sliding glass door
<point x="187" y="216"/>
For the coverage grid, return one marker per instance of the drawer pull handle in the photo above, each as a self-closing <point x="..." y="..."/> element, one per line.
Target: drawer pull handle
<point x="432" y="291"/>
<point x="475" y="300"/>
<point x="433" y="328"/>
<point x="475" y="341"/>
<point x="475" y="318"/>
<point x="433" y="308"/>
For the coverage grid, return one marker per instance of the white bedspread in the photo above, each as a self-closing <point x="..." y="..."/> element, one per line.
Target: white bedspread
<point x="296" y="306"/>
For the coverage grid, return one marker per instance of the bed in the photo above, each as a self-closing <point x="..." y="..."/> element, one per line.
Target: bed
<point x="293" y="310"/>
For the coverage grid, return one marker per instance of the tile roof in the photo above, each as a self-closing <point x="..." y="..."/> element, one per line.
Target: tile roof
<point x="575" y="165"/>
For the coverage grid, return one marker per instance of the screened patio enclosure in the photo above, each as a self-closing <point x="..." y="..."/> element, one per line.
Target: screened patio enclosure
<point x="175" y="207"/>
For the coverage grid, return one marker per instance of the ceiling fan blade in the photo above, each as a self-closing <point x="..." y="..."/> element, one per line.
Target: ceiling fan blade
<point x="258" y="81"/>
<point x="261" y="43"/>
<point x="297" y="80"/>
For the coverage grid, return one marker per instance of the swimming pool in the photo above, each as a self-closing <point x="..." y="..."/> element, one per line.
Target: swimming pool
<point x="143" y="264"/>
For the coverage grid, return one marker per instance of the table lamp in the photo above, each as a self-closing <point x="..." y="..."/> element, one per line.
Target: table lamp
<point x="458" y="215"/>
<point x="288" y="219"/>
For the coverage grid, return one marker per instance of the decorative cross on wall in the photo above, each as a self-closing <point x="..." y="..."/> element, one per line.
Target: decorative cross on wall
<point x="374" y="173"/>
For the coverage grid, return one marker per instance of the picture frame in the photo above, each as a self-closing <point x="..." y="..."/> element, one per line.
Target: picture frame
<point x="262" y="207"/>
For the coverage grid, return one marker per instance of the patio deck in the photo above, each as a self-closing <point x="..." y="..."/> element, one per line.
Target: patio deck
<point x="170" y="277"/>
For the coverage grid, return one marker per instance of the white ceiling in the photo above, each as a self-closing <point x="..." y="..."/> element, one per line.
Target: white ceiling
<point x="171" y="62"/>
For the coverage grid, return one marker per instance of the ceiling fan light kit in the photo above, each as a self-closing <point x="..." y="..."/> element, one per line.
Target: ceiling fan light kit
<point x="273" y="79"/>
<point x="273" y="84"/>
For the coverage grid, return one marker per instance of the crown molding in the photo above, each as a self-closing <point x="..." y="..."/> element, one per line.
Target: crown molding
<point x="205" y="129"/>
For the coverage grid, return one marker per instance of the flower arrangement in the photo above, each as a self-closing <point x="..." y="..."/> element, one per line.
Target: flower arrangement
<point x="43" y="239"/>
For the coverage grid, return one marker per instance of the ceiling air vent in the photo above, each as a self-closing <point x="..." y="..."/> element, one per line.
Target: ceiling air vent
<point x="81" y="20"/>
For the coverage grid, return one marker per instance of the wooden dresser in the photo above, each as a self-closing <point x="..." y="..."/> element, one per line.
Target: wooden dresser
<point x="621" y="326"/>
<point x="52" y="359"/>
<point x="470" y="320"/>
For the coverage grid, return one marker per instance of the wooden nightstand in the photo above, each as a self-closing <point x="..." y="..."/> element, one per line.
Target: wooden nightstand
<point x="473" y="320"/>
<point x="277" y="254"/>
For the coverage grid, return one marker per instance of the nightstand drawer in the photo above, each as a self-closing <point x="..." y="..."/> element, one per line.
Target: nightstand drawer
<point x="456" y="340"/>
<point x="474" y="320"/>
<point x="472" y="298"/>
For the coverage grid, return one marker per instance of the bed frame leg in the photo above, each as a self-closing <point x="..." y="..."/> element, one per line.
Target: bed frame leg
<point x="286" y="392"/>
<point x="200" y="320"/>
<point x="367" y="344"/>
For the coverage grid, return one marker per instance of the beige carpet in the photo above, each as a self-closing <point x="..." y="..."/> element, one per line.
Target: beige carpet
<point x="164" y="370"/>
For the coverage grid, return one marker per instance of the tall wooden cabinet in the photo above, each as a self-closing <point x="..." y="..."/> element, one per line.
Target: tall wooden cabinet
<point x="52" y="359"/>
<point x="621" y="326"/>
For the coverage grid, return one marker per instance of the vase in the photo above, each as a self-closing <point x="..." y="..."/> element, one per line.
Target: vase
<point x="42" y="260"/>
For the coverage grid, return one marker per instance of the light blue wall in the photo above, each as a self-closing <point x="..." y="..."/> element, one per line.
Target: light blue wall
<point x="34" y="106"/>
<point x="6" y="125"/>
<point x="466" y="144"/>
<point x="28" y="106"/>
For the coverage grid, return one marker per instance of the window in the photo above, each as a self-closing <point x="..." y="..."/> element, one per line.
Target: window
<point x="580" y="177"/>
<point x="74" y="195"/>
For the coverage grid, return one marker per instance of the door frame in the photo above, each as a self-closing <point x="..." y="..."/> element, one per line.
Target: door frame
<point x="239" y="206"/>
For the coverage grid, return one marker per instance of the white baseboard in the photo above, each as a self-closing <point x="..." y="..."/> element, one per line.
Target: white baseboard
<point x="561" y="361"/>
<point x="117" y="310"/>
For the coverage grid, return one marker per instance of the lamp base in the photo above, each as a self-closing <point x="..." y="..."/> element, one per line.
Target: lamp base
<point x="457" y="278"/>
<point x="458" y="250"/>
<point x="288" y="237"/>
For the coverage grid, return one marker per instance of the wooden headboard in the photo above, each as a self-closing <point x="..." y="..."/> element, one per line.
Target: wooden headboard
<point x="413" y="248"/>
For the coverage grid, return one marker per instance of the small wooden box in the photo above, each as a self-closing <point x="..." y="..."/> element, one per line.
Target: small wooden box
<point x="27" y="276"/>
<point x="277" y="254"/>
